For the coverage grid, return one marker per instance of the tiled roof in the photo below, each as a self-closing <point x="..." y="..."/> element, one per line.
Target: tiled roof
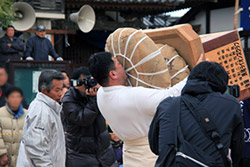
<point x="47" y="5"/>
<point x="147" y="6"/>
<point x="143" y="1"/>
<point x="131" y="1"/>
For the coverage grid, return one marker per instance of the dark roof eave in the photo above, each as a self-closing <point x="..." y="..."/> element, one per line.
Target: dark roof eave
<point x="146" y="7"/>
<point x="126" y="6"/>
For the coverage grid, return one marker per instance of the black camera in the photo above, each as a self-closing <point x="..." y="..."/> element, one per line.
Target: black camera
<point x="233" y="90"/>
<point x="87" y="81"/>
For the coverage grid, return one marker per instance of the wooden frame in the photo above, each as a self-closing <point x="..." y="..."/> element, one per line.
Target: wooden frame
<point x="183" y="38"/>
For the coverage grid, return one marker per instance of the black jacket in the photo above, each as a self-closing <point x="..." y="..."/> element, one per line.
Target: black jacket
<point x="87" y="137"/>
<point x="224" y="110"/>
<point x="12" y="52"/>
<point x="39" y="48"/>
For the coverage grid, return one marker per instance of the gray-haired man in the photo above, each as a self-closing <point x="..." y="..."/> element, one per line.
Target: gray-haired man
<point x="43" y="141"/>
<point x="38" y="47"/>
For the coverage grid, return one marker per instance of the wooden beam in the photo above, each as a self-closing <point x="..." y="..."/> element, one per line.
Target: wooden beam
<point x="52" y="40"/>
<point x="55" y="31"/>
<point x="236" y="13"/>
<point x="123" y="5"/>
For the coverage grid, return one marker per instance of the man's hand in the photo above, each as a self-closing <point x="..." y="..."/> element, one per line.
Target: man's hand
<point x="29" y="58"/>
<point x="4" y="160"/>
<point x="59" y="59"/>
<point x="9" y="45"/>
<point x="201" y="59"/>
<point x="92" y="91"/>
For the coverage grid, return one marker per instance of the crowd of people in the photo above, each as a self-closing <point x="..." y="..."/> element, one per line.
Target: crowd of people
<point x="38" y="47"/>
<point x="109" y="124"/>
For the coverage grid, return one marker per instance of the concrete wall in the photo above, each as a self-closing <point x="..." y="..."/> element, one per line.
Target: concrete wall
<point x="220" y="20"/>
<point x="200" y="18"/>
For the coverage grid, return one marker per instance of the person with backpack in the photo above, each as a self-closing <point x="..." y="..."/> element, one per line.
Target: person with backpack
<point x="199" y="127"/>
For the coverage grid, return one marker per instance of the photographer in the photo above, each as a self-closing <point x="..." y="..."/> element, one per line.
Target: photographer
<point x="87" y="140"/>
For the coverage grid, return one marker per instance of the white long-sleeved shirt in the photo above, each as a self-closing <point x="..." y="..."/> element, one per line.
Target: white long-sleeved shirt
<point x="130" y="110"/>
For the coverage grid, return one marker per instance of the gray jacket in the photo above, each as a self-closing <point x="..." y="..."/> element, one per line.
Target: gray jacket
<point x="43" y="142"/>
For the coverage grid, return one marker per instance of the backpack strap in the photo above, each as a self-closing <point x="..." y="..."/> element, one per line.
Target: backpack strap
<point x="175" y="108"/>
<point x="206" y="123"/>
<point x="179" y="135"/>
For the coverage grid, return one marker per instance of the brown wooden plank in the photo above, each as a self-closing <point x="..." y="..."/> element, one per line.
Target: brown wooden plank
<point x="55" y="31"/>
<point x="183" y="38"/>
<point x="218" y="41"/>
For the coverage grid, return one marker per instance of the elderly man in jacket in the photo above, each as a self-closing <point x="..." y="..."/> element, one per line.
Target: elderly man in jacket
<point x="10" y="45"/>
<point x="39" y="47"/>
<point x="43" y="142"/>
<point x="87" y="139"/>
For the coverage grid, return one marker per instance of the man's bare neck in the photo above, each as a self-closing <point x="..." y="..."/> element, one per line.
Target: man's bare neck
<point x="114" y="84"/>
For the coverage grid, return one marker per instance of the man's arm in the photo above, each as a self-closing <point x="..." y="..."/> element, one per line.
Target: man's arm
<point x="3" y="151"/>
<point x="52" y="51"/>
<point x="29" y="49"/>
<point x="81" y="115"/>
<point x="147" y="99"/>
<point x="18" y="45"/>
<point x="6" y="49"/>
<point x="38" y="136"/>
<point x="176" y="89"/>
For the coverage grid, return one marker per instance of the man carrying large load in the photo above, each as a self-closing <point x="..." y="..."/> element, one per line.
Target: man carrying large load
<point x="129" y="110"/>
<point x="142" y="58"/>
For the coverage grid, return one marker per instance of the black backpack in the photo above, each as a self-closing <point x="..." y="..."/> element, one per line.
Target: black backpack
<point x="187" y="154"/>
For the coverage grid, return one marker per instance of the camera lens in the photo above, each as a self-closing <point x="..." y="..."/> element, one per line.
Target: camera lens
<point x="92" y="83"/>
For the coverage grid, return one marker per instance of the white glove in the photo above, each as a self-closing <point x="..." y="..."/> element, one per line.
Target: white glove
<point x="29" y="58"/>
<point x="59" y="59"/>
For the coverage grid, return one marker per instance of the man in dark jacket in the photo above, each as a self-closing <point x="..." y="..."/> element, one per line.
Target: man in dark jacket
<point x="87" y="139"/>
<point x="208" y="82"/>
<point x="39" y="48"/>
<point x="10" y="45"/>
